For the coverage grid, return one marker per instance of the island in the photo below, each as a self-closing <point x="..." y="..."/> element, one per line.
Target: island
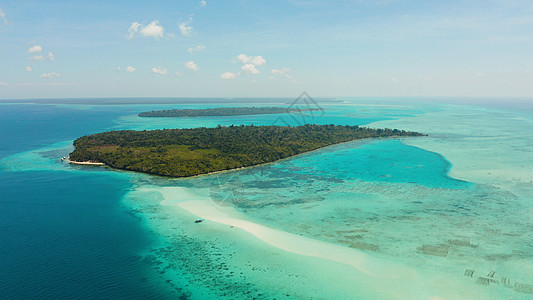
<point x="222" y="111"/>
<point x="197" y="151"/>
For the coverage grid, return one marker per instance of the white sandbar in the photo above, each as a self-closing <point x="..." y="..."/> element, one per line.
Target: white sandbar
<point x="205" y="208"/>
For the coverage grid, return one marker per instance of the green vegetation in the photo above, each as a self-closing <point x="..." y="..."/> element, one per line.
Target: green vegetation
<point x="189" y="152"/>
<point x="221" y="111"/>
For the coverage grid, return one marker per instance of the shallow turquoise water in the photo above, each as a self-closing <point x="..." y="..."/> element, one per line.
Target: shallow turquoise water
<point x="380" y="196"/>
<point x="386" y="198"/>
<point x="382" y="161"/>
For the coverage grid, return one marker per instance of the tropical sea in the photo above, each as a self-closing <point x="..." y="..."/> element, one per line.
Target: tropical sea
<point x="447" y="216"/>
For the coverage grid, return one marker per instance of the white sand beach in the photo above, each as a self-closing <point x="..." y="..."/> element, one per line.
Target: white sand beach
<point x="86" y="163"/>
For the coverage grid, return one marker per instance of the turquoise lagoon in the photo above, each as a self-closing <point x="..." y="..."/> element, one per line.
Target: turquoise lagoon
<point x="448" y="216"/>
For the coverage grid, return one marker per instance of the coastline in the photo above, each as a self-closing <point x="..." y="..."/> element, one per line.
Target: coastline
<point x="271" y="162"/>
<point x="86" y="163"/>
<point x="240" y="168"/>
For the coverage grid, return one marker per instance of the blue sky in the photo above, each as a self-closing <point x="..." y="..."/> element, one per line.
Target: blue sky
<point x="266" y="48"/>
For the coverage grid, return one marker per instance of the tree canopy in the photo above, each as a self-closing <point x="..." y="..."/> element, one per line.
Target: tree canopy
<point x="221" y="111"/>
<point x="190" y="152"/>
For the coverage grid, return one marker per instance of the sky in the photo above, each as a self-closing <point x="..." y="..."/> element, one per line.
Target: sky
<point x="275" y="48"/>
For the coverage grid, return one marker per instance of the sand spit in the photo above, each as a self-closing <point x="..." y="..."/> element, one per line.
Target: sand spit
<point x="205" y="208"/>
<point x="370" y="272"/>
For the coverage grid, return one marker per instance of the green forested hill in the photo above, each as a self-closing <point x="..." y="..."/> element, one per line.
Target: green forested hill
<point x="221" y="111"/>
<point x="189" y="152"/>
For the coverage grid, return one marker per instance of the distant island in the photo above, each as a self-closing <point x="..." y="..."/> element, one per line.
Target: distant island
<point x="190" y="152"/>
<point x="221" y="111"/>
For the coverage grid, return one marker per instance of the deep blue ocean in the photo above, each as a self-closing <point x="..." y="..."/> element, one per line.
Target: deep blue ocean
<point x="65" y="235"/>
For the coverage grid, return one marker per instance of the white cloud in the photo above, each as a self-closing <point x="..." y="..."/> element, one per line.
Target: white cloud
<point x="244" y="58"/>
<point x="3" y="15"/>
<point x="50" y="75"/>
<point x="191" y="66"/>
<point x="250" y="64"/>
<point x="250" y="68"/>
<point x="3" y="83"/>
<point x="185" y="28"/>
<point x="28" y="69"/>
<point x="196" y="49"/>
<point x="159" y="70"/>
<point x="227" y="76"/>
<point x="35" y="49"/>
<point x="153" y="30"/>
<point x="203" y="3"/>
<point x="38" y="49"/>
<point x="130" y="69"/>
<point x="134" y="27"/>
<point x="255" y="60"/>
<point x="284" y="72"/>
<point x="258" y="61"/>
<point x="118" y="69"/>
